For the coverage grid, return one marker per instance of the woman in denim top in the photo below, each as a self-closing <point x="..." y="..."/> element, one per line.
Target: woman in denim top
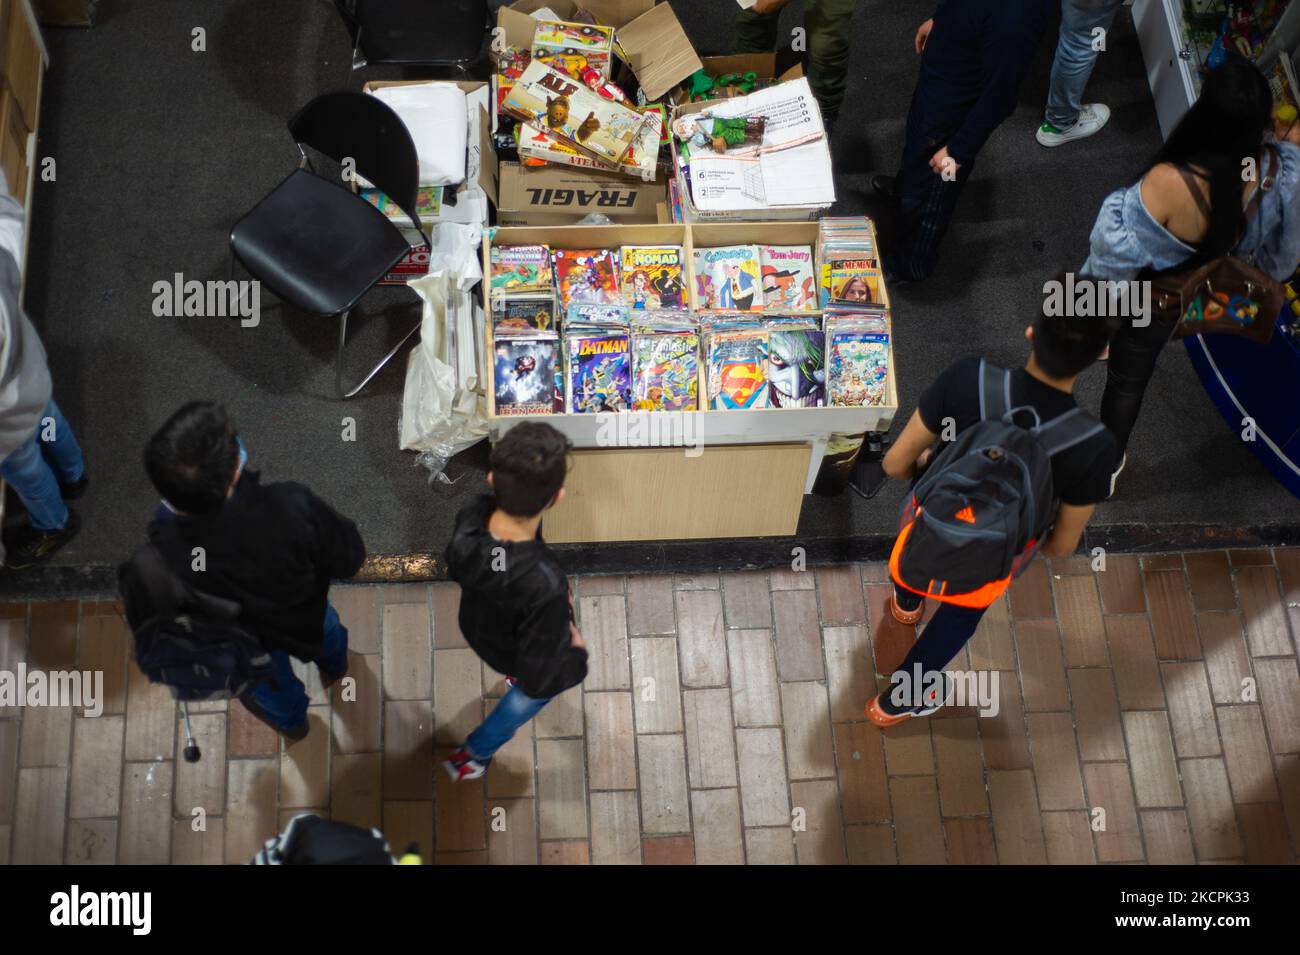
<point x="1190" y="207"/>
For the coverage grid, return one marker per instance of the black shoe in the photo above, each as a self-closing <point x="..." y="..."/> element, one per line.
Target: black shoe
<point x="70" y="492"/>
<point x="293" y="735"/>
<point x="883" y="186"/>
<point x="329" y="678"/>
<point x="34" y="546"/>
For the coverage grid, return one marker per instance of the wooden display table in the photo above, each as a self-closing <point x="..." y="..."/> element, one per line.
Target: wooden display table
<point x="636" y="475"/>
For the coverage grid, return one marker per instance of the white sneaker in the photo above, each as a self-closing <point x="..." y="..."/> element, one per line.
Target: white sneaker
<point x="1114" y="476"/>
<point x="1092" y="117"/>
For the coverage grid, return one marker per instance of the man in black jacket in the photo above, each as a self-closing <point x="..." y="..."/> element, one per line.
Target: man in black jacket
<point x="273" y="549"/>
<point x="515" y="607"/>
<point x="974" y="55"/>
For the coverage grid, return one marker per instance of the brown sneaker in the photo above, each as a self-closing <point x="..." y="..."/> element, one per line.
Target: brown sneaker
<point x="908" y="618"/>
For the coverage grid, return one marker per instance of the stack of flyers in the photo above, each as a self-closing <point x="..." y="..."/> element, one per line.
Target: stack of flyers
<point x="728" y="278"/>
<point x="789" y="282"/>
<point x="571" y="47"/>
<point x="851" y="275"/>
<point x="586" y="275"/>
<point x="651" y="277"/>
<point x="737" y="369"/>
<point x="525" y="375"/>
<point x="857" y="360"/>
<point x="584" y="316"/>
<point x="515" y="316"/>
<point x="520" y="268"/>
<point x="666" y="371"/>
<point x="598" y="372"/>
<point x="796" y="367"/>
<point x="428" y="202"/>
<point x="568" y="110"/>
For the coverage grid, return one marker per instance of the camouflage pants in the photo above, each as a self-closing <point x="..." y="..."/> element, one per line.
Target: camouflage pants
<point x="827" y="23"/>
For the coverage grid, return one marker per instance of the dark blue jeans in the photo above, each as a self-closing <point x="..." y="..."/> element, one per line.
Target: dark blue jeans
<point x="284" y="699"/>
<point x="943" y="637"/>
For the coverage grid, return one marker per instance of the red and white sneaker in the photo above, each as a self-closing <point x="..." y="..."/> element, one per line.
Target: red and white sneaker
<point x="511" y="681"/>
<point x="463" y="766"/>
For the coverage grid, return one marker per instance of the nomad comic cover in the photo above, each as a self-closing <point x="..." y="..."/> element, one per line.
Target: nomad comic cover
<point x="651" y="277"/>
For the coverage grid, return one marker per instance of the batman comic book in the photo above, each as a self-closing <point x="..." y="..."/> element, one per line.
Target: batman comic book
<point x="599" y="373"/>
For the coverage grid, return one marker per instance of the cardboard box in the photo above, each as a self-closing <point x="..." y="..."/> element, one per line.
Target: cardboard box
<point x="66" y="13"/>
<point x="649" y="35"/>
<point x="561" y="195"/>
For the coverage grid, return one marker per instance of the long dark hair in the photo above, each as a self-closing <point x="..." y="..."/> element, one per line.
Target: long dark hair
<point x="1223" y="128"/>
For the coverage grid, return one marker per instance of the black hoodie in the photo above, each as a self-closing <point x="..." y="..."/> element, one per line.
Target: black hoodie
<point x="515" y="609"/>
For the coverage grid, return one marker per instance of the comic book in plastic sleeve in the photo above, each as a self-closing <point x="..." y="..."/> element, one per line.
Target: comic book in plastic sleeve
<point x="728" y="278"/>
<point x="570" y="111"/>
<point x="584" y="316"/>
<point x="598" y="372"/>
<point x="796" y="367"/>
<point x="523" y="315"/>
<point x="586" y="275"/>
<point x="737" y="369"/>
<point x="520" y="268"/>
<point x="524" y="372"/>
<point x="857" y="362"/>
<point x="789" y="280"/>
<point x="651" y="277"/>
<point x="666" y="371"/>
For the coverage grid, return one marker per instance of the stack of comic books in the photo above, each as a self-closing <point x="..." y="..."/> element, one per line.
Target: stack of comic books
<point x="665" y="360"/>
<point x="597" y="372"/>
<point x="521" y="291"/>
<point x="796" y="365"/>
<point x="852" y="278"/>
<point x="789" y="279"/>
<point x="727" y="279"/>
<point x="736" y="363"/>
<point x="857" y="359"/>
<point x="589" y="276"/>
<point x="573" y="114"/>
<point x="651" y="277"/>
<point x="588" y="317"/>
<point x="526" y="373"/>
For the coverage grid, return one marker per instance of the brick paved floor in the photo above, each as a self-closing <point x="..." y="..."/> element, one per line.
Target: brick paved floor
<point x="1150" y="712"/>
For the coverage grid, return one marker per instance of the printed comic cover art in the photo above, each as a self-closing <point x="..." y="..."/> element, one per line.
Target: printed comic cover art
<point x="738" y="370"/>
<point x="651" y="277"/>
<point x="859" y="368"/>
<point x="796" y="368"/>
<point x="524" y="314"/>
<point x="566" y="108"/>
<point x="728" y="278"/>
<point x="586" y="275"/>
<point x="525" y="377"/>
<point x="520" y="268"/>
<point x="600" y="373"/>
<point x="666" y="372"/>
<point x="587" y="313"/>
<point x="428" y="203"/>
<point x="569" y="47"/>
<point x="789" y="281"/>
<point x="855" y="281"/>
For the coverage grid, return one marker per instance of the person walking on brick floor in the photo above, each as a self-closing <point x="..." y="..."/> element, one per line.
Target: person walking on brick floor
<point x="974" y="56"/>
<point x="828" y="24"/>
<point x="39" y="454"/>
<point x="971" y="494"/>
<point x="516" y="609"/>
<point x="271" y="548"/>
<point x="1084" y="25"/>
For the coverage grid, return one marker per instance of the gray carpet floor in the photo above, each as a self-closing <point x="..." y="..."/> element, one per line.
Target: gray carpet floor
<point x="159" y="149"/>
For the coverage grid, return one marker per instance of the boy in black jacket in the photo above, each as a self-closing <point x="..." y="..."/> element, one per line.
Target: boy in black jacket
<point x="273" y="549"/>
<point x="515" y="607"/>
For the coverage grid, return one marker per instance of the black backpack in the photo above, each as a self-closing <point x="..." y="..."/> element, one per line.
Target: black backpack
<point x="193" y="642"/>
<point x="975" y="518"/>
<point x="311" y="840"/>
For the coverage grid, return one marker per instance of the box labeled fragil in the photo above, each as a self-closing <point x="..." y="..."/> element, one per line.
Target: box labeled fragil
<point x="558" y="195"/>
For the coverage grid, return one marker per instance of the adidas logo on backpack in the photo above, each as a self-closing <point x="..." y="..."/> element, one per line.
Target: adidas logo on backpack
<point x="976" y="517"/>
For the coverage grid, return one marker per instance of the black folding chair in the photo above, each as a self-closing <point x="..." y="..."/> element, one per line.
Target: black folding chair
<point x="415" y="32"/>
<point x="315" y="243"/>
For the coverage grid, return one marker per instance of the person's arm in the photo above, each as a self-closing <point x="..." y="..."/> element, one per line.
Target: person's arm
<point x="1066" y="533"/>
<point x="764" y="7"/>
<point x="1007" y="55"/>
<point x="548" y="652"/>
<point x="11" y="222"/>
<point x="904" y="456"/>
<point x="341" y="549"/>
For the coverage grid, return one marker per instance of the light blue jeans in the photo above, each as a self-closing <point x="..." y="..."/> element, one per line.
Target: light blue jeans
<point x="31" y="469"/>
<point x="1075" y="56"/>
<point x="515" y="709"/>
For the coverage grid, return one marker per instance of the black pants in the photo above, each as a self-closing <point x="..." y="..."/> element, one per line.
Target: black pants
<point x="1133" y="355"/>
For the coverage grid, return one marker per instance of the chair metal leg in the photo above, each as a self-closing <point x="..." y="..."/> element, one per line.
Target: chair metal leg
<point x="338" y="359"/>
